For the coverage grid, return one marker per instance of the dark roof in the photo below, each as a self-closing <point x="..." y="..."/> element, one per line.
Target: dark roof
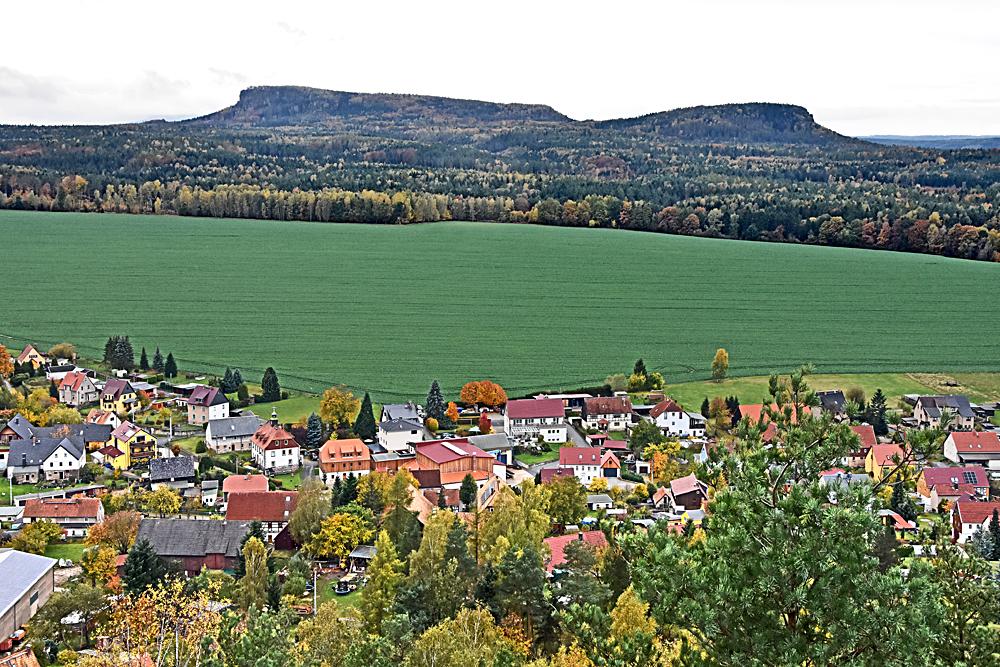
<point x="398" y="424"/>
<point x="832" y="401"/>
<point x="177" y="538"/>
<point x="606" y="405"/>
<point x="176" y="467"/>
<point x="933" y="405"/>
<point x="116" y="387"/>
<point x="400" y="411"/>
<point x="491" y="442"/>
<point x="427" y="479"/>
<point x="33" y="452"/>
<point x="234" y="427"/>
<point x="20" y="425"/>
<point x="93" y="432"/>
<point x="205" y="396"/>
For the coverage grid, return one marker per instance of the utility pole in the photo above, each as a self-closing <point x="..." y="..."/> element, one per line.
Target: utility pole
<point x="315" y="571"/>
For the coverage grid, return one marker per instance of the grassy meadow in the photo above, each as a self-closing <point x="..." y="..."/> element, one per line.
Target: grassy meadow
<point x="389" y="308"/>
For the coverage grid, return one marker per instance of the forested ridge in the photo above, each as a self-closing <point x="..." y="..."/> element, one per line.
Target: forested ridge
<point x="748" y="171"/>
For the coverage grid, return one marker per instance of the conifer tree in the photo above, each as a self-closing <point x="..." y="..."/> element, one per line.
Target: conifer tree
<point x="314" y="431"/>
<point x="705" y="408"/>
<point x="144" y="360"/>
<point x="158" y="360"/>
<point x="237" y="379"/>
<point x="467" y="492"/>
<point x="876" y="413"/>
<point x="640" y="368"/>
<point x="53" y="390"/>
<point x="143" y="568"/>
<point x="435" y="407"/>
<point x="226" y="385"/>
<point x="364" y="425"/>
<point x="270" y="388"/>
<point x="170" y="367"/>
<point x="994" y="534"/>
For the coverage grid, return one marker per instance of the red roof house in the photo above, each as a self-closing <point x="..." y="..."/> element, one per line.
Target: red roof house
<point x="271" y="508"/>
<point x="535" y="408"/>
<point x="557" y="545"/>
<point x="243" y="483"/>
<point x="972" y="446"/>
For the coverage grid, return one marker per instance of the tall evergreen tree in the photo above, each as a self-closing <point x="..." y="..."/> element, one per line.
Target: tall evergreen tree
<point x="704" y="408"/>
<point x="118" y="353"/>
<point x="876" y="413"/>
<point x="901" y="503"/>
<point x="733" y="405"/>
<point x="226" y="384"/>
<point x="53" y="390"/>
<point x="994" y="532"/>
<point x="143" y="568"/>
<point x="237" y="379"/>
<point x="144" y="360"/>
<point x="640" y="368"/>
<point x="350" y="491"/>
<point x="337" y="493"/>
<point x="435" y="407"/>
<point x="170" y="367"/>
<point x="364" y="425"/>
<point x="158" y="360"/>
<point x="467" y="492"/>
<point x="270" y="388"/>
<point x="314" y="431"/>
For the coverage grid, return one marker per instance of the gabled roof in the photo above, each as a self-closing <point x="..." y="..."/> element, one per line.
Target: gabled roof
<point x="34" y="452"/>
<point x="350" y="449"/>
<point x="74" y="380"/>
<point x="98" y="416"/>
<point x="19" y="572"/>
<point x="400" y="424"/>
<point x="755" y="412"/>
<point x="443" y="451"/>
<point x="609" y="460"/>
<point x="175" y="467"/>
<point x="607" y="405"/>
<point x="975" y="442"/>
<point x="884" y="455"/>
<point x="204" y="396"/>
<point x="177" y="538"/>
<point x="242" y="483"/>
<point x="935" y="405"/>
<point x="557" y="545"/>
<point x="62" y="508"/>
<point x="270" y="436"/>
<point x="234" y="427"/>
<point x="92" y="432"/>
<point x="687" y="484"/>
<point x="127" y="430"/>
<point x="664" y="406"/>
<point x="580" y="456"/>
<point x="975" y="511"/>
<point x="276" y="506"/>
<point x="599" y="498"/>
<point x="832" y="401"/>
<point x="535" y="408"/>
<point x="955" y="475"/>
<point x="400" y="411"/>
<point x="866" y="434"/>
<point x="491" y="442"/>
<point x="115" y="387"/>
<point x="549" y="474"/>
<point x="26" y="352"/>
<point x="21" y="426"/>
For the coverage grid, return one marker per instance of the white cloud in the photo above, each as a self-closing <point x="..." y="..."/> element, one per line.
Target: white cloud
<point x="872" y="66"/>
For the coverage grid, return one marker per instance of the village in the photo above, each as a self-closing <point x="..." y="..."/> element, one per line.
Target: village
<point x="119" y="472"/>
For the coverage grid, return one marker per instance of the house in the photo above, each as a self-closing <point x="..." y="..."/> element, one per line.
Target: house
<point x="177" y="472"/>
<point x="410" y="411"/>
<point x="275" y="450"/>
<point x="968" y="516"/>
<point x="399" y="434"/>
<point x="837" y="480"/>
<point x="205" y="404"/>
<point x="17" y="428"/>
<point x="194" y="544"/>
<point x="272" y="508"/>
<point x="74" y="515"/>
<point x="548" y="474"/>
<point x="496" y="444"/>
<point x="928" y="410"/>
<point x="77" y="389"/>
<point x="118" y="396"/>
<point x="557" y="546"/>
<point x="584" y="462"/>
<point x="529" y="419"/>
<point x="340" y="458"/>
<point x="98" y="416"/>
<point x="599" y="501"/>
<point x="951" y="483"/>
<point x="28" y="582"/>
<point x="31" y="355"/>
<point x="137" y="442"/>
<point x="833" y="403"/>
<point x="569" y="401"/>
<point x="757" y="412"/>
<point x="94" y="436"/>
<point x="111" y="457"/>
<point x="57" y="372"/>
<point x="231" y="434"/>
<point x="867" y="439"/>
<point x="209" y="492"/>
<point x="670" y="418"/>
<point x="455" y="459"/>
<point x="607" y="413"/>
<point x="45" y="458"/>
<point x="688" y="493"/>
<point x="895" y="520"/>
<point x="972" y="447"/>
<point x="883" y="459"/>
<point x="243" y="484"/>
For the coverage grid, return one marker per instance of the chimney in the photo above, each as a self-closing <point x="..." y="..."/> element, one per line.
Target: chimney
<point x="579" y="536"/>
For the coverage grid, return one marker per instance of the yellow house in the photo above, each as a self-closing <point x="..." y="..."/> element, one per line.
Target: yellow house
<point x="30" y="354"/>
<point x="115" y="458"/>
<point x="883" y="459"/>
<point x="137" y="444"/>
<point x="119" y="396"/>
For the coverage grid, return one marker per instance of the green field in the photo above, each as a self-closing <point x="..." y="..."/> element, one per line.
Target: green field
<point x="389" y="308"/>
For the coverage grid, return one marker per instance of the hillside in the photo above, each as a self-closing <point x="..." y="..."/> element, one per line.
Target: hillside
<point x="946" y="142"/>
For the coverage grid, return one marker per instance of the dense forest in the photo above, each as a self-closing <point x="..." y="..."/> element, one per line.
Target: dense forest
<point x="745" y="171"/>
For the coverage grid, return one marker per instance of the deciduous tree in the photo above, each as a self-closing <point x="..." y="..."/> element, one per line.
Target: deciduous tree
<point x="720" y="364"/>
<point x="338" y="534"/>
<point x="6" y="363"/>
<point x="339" y="406"/>
<point x="385" y="573"/>
<point x="312" y="506"/>
<point x="118" y="531"/>
<point x="483" y="392"/>
<point x="251" y="590"/>
<point x="567" y="500"/>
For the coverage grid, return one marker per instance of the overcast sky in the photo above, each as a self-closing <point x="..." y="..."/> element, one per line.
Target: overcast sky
<point x="860" y="66"/>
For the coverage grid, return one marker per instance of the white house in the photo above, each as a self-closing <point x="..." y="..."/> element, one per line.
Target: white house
<point x="972" y="447"/>
<point x="205" y="404"/>
<point x="275" y="450"/>
<point x="399" y="434"/>
<point x="612" y="413"/>
<point x="599" y="501"/>
<point x="45" y="458"/>
<point x="587" y="463"/>
<point x="529" y="419"/>
<point x="74" y="515"/>
<point x="231" y="434"/>
<point x="968" y="516"/>
<point x="77" y="389"/>
<point x="673" y="420"/>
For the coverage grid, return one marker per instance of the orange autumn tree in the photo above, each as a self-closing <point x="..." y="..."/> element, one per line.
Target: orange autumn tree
<point x="6" y="363"/>
<point x="452" y="412"/>
<point x="483" y="392"/>
<point x="485" y="425"/>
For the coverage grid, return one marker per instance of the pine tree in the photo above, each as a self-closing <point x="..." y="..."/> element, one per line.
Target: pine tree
<point x="640" y="368"/>
<point x="364" y="425"/>
<point x="733" y="405"/>
<point x="314" y="432"/>
<point x="53" y="390"/>
<point x="435" y="402"/>
<point x="270" y="388"/>
<point x="876" y="413"/>
<point x="144" y="360"/>
<point x="350" y="492"/>
<point x="337" y="493"/>
<point x="442" y="501"/>
<point x="158" y="361"/>
<point x="226" y="385"/>
<point x="109" y="350"/>
<point x="994" y="531"/>
<point x="143" y="568"/>
<point x="124" y="355"/>
<point x="237" y="379"/>
<point x="170" y="367"/>
<point x="704" y="408"/>
<point x="901" y="503"/>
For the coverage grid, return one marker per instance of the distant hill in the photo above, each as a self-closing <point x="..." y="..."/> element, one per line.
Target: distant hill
<point x="744" y="123"/>
<point x="941" y="141"/>
<point x="295" y="105"/>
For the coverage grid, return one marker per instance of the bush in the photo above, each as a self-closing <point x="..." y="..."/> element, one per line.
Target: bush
<point x="284" y="394"/>
<point x="631" y="476"/>
<point x="200" y="447"/>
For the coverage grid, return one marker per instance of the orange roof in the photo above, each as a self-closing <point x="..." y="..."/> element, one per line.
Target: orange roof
<point x="271" y="436"/>
<point x="557" y="545"/>
<point x="98" y="416"/>
<point x="352" y="449"/>
<point x="610" y="461"/>
<point x="73" y="380"/>
<point x="240" y="483"/>
<point x="274" y="506"/>
<point x="866" y="433"/>
<point x="972" y="442"/>
<point x="21" y="658"/>
<point x="459" y="475"/>
<point x="753" y="412"/>
<point x="664" y="406"/>
<point x="62" y="508"/>
<point x="884" y="454"/>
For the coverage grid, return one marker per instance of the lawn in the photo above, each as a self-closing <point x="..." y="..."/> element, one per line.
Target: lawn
<point x="389" y="308"/>
<point x="544" y="457"/>
<point x="71" y="550"/>
<point x="289" y="481"/>
<point x="292" y="409"/>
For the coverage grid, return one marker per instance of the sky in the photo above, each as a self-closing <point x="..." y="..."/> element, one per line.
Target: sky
<point x="860" y="66"/>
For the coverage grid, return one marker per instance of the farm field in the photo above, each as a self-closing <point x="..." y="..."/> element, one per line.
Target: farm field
<point x="389" y="308"/>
